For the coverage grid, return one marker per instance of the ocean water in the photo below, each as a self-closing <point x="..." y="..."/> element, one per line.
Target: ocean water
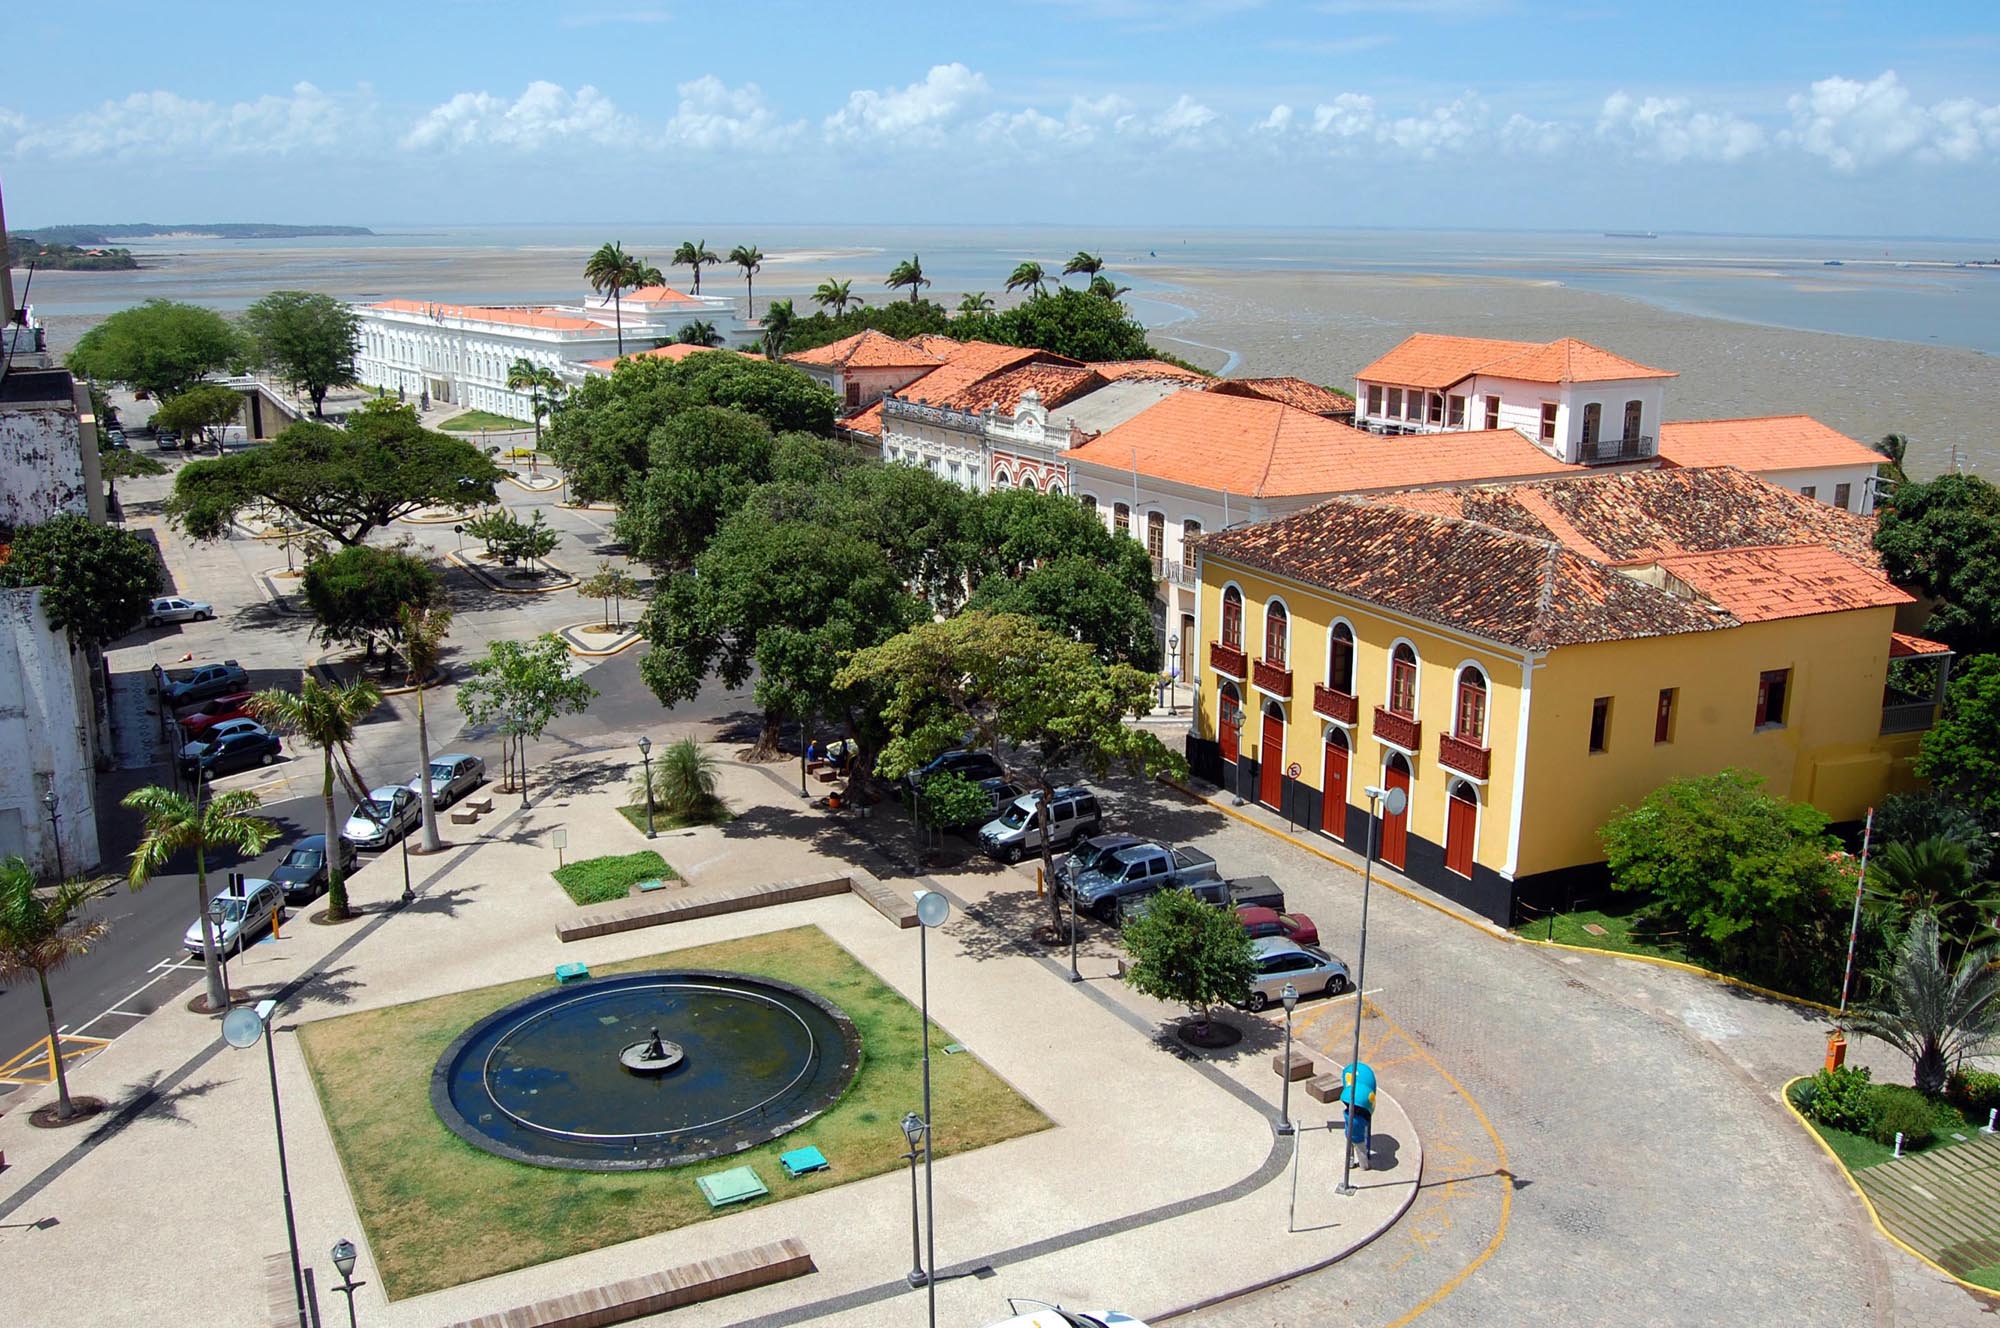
<point x="1917" y="291"/>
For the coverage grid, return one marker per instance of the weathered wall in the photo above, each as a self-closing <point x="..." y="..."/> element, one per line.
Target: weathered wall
<point x="43" y="716"/>
<point x="41" y="462"/>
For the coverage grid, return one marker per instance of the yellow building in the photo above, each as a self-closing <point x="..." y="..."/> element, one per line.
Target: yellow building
<point x="1524" y="659"/>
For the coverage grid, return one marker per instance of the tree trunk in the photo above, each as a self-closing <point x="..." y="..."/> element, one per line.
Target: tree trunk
<point x="429" y="800"/>
<point x="336" y="884"/>
<point x="64" y="1110"/>
<point x="1930" y="1076"/>
<point x="618" y="317"/>
<point x="766" y="748"/>
<point x="218" y="995"/>
<point x="521" y="765"/>
<point x="1049" y="858"/>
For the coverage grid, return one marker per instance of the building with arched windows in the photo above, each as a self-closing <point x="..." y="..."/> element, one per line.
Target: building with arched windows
<point x="1523" y="659"/>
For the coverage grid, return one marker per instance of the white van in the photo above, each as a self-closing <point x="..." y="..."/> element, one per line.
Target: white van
<point x="1016" y="832"/>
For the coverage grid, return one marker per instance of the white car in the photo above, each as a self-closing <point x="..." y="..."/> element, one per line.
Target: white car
<point x="234" y="919"/>
<point x="173" y="608"/>
<point x="390" y="813"/>
<point x="1055" y="1316"/>
<point x="453" y="775"/>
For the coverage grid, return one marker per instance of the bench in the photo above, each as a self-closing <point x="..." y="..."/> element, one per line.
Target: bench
<point x="482" y="802"/>
<point x="465" y="816"/>
<point x="568" y="973"/>
<point x="1301" y="1066"/>
<point x="655" y="1293"/>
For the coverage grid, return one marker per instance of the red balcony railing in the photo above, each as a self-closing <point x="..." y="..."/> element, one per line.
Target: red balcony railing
<point x="1398" y="730"/>
<point x="1340" y="707"/>
<point x="1228" y="661"/>
<point x="1273" y="678"/>
<point x="1468" y="758"/>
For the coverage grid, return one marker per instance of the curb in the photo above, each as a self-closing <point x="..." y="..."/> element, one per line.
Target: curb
<point x="448" y="519"/>
<point x="487" y="578"/>
<point x="321" y="664"/>
<point x="1785" y="1095"/>
<point x="546" y="485"/>
<point x="572" y="636"/>
<point x="588" y="507"/>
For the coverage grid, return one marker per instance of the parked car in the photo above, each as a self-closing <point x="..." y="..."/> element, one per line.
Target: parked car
<point x="1055" y="1316"/>
<point x="227" y="728"/>
<point x="198" y="684"/>
<point x="975" y="766"/>
<point x="390" y="813"/>
<point x="166" y="440"/>
<point x="303" y="873"/>
<point x="1089" y="853"/>
<point x="1261" y="922"/>
<point x="175" y="608"/>
<point x="453" y="775"/>
<point x="1137" y="869"/>
<point x="1017" y="830"/>
<point x="1307" y="967"/>
<point x="231" y="752"/>
<point x="232" y="705"/>
<point x="235" y="918"/>
<point x="1254" y="892"/>
<point x="114" y="439"/>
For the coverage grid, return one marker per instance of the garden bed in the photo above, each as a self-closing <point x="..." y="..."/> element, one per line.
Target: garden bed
<point x="663" y="820"/>
<point x="600" y="880"/>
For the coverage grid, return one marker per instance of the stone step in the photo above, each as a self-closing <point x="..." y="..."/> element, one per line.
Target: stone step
<point x="656" y="1293"/>
<point x="891" y="903"/>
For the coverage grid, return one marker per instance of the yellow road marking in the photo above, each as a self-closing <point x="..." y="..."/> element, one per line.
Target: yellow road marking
<point x="34" y="1066"/>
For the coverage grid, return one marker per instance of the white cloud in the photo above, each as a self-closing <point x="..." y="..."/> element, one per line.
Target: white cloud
<point x="1534" y="138"/>
<point x="163" y="123"/>
<point x="1669" y="129"/>
<point x="1349" y="116"/>
<point x="544" y="115"/>
<point x="917" y="113"/>
<point x="1277" y="122"/>
<point x="712" y="115"/>
<point x="1854" y="125"/>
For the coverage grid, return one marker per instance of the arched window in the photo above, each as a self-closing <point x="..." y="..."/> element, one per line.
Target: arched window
<point x="1028" y="482"/>
<point x="1190" y="529"/>
<point x="1403" y="680"/>
<point x="1276" y="621"/>
<point x="1156" y="535"/>
<point x="1232" y="618"/>
<point x="1593" y="414"/>
<point x="1002" y="481"/>
<point x="1055" y="488"/>
<point x="1340" y="660"/>
<point x="1469" y="715"/>
<point x="1121" y="518"/>
<point x="1089" y="501"/>
<point x="1634" y="413"/>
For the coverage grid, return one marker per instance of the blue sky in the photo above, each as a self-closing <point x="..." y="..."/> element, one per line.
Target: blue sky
<point x="1752" y="115"/>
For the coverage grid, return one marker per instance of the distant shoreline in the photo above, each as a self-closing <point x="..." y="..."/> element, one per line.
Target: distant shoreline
<point x="104" y="233"/>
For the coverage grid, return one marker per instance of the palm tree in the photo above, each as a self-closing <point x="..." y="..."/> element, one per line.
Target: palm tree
<point x="1934" y="1015"/>
<point x="174" y="823"/>
<point x="1895" y="447"/>
<point x="684" y="782"/>
<point x="40" y="931"/>
<point x="695" y="254"/>
<point x="1104" y="286"/>
<point x="325" y="717"/>
<point x="541" y="385"/>
<point x="975" y="303"/>
<point x="1934" y="875"/>
<point x="778" y="320"/>
<point x="1088" y="264"/>
<point x="612" y="269"/>
<point x="424" y="627"/>
<point x="836" y="295"/>
<point x="750" y="258"/>
<point x="909" y="273"/>
<point x="698" y="333"/>
<point x="1028" y="276"/>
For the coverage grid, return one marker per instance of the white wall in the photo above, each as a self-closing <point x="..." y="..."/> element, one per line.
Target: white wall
<point x="44" y="699"/>
<point x="41" y="463"/>
<point x="1824" y="481"/>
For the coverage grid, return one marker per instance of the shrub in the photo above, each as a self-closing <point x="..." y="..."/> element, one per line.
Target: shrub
<point x="1840" y="1099"/>
<point x="684" y="783"/>
<point x="1974" y="1091"/>
<point x="599" y="880"/>
<point x="1899" y="1109"/>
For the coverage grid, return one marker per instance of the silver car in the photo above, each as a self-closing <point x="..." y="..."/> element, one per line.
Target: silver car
<point x="234" y="919"/>
<point x="453" y="775"/>
<point x="172" y="608"/>
<point x="390" y="813"/>
<point x="1306" y="967"/>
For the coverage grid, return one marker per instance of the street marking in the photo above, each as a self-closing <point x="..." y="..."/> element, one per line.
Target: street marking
<point x="21" y="1069"/>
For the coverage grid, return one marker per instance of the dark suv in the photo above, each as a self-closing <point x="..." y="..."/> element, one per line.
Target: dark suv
<point x="230" y="753"/>
<point x="975" y="766"/>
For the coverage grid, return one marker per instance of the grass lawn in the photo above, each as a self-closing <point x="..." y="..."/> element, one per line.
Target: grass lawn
<point x="599" y="880"/>
<point x="636" y="814"/>
<point x="1858" y="1150"/>
<point x="1624" y="932"/>
<point x="472" y="421"/>
<point x="440" y="1212"/>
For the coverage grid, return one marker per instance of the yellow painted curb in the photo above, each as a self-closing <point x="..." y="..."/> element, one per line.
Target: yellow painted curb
<point x="629" y="639"/>
<point x="487" y="579"/>
<point x="1786" y="1094"/>
<point x="1686" y="967"/>
<point x="525" y="487"/>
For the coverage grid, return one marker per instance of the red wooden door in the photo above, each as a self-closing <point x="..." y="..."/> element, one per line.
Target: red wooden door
<point x="1229" y="726"/>
<point x="1461" y="819"/>
<point x="1396" y="829"/>
<point x="1272" y="754"/>
<point x="1333" y="788"/>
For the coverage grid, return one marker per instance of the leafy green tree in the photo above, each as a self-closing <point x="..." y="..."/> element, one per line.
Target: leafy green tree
<point x="175" y="824"/>
<point x="1028" y="276"/>
<point x="612" y="269"/>
<point x="1086" y="263"/>
<point x="161" y="348"/>
<point x="750" y="258"/>
<point x="357" y="594"/>
<point x="125" y="465"/>
<point x="326" y="717"/>
<point x="423" y="628"/>
<point x="308" y="339"/>
<point x="704" y="463"/>
<point x="1080" y="598"/>
<point x="1749" y="877"/>
<point x="1904" y="818"/>
<point x="536" y="540"/>
<point x="909" y="272"/>
<point x="1190" y="953"/>
<point x="898" y="318"/>
<point x="520" y="688"/>
<point x="498" y="529"/>
<point x="40" y="932"/>
<point x="946" y="801"/>
<point x="695" y="254"/>
<point x="611" y="585"/>
<point x="1081" y="324"/>
<point x="778" y="320"/>
<point x="975" y="303"/>
<point x="345" y="483"/>
<point x="1935" y="1014"/>
<point x="542" y="385"/>
<point x="1941" y="539"/>
<point x="97" y="581"/>
<point x="699" y="333"/>
<point x="1015" y="531"/>
<point x="783" y="397"/>
<point x="1961" y="752"/>
<point x="205" y="406"/>
<point x="835" y="295"/>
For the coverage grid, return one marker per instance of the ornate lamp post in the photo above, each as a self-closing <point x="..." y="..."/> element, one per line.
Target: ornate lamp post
<point x="914" y="1130"/>
<point x="50" y="801"/>
<point x="646" y="760"/>
<point x="343" y="1261"/>
<point x="932" y="910"/>
<point x="1290" y="996"/>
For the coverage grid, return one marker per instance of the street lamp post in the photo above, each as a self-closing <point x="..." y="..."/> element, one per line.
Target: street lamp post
<point x="914" y="1130"/>
<point x="646" y="760"/>
<point x="241" y="1028"/>
<point x="50" y="801"/>
<point x="215" y="920"/>
<point x="1290" y="996"/>
<point x="404" y="842"/>
<point x="460" y="532"/>
<point x="1173" y="673"/>
<point x="1393" y="802"/>
<point x="343" y="1260"/>
<point x="932" y="909"/>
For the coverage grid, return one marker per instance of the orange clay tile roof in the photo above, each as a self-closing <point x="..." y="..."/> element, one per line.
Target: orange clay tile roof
<point x="1053" y="383"/>
<point x="867" y="349"/>
<point x="936" y="343"/>
<point x="1259" y="448"/>
<point x="1769" y="442"/>
<point x="1528" y="593"/>
<point x="656" y="295"/>
<point x="1902" y="645"/>
<point x="966" y="362"/>
<point x="1291" y="391"/>
<point x="1116" y="370"/>
<point x="866" y="421"/>
<point x="541" y="318"/>
<point x="675" y="351"/>
<point x="1427" y="359"/>
<point x="1782" y="581"/>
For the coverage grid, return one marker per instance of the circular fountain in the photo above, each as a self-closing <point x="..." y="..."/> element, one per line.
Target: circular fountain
<point x="645" y="1070"/>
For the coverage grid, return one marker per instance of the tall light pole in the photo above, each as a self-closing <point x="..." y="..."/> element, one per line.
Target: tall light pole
<point x="1393" y="802"/>
<point x="932" y="909"/>
<point x="343" y="1261"/>
<point x="241" y="1028"/>
<point x="914" y="1130"/>
<point x="50" y="801"/>
<point x="404" y="843"/>
<point x="1290" y="996"/>
<point x="646" y="760"/>
<point x="1173" y="673"/>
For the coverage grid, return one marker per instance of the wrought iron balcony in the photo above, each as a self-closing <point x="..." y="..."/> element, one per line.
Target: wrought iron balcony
<point x="1341" y="707"/>
<point x="1173" y="571"/>
<point x="1229" y="661"/>
<point x="1273" y="678"/>
<point x="1404" y="731"/>
<point x="1607" y="450"/>
<point x="1468" y="758"/>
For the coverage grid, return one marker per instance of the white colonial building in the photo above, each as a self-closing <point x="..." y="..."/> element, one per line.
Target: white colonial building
<point x="460" y="354"/>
